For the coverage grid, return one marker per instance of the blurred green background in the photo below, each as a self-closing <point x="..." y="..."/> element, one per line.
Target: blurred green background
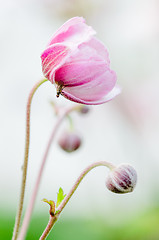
<point x="143" y="226"/>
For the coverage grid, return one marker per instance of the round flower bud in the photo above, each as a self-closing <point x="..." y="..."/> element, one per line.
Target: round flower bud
<point x="69" y="141"/>
<point x="85" y="109"/>
<point x="122" y="179"/>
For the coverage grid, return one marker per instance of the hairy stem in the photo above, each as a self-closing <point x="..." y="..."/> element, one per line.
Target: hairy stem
<point x="79" y="179"/>
<point x="35" y="190"/>
<point x="25" y="164"/>
<point x="71" y="192"/>
<point x="47" y="230"/>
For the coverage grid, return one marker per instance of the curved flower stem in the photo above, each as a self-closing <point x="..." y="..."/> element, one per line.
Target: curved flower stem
<point x="35" y="190"/>
<point x="79" y="179"/>
<point x="71" y="192"/>
<point x="25" y="164"/>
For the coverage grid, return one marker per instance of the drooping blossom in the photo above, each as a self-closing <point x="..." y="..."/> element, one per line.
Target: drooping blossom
<point x="78" y="64"/>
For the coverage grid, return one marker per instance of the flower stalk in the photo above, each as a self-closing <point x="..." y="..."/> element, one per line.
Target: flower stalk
<point x="80" y="178"/>
<point x="38" y="180"/>
<point x="47" y="230"/>
<point x="54" y="218"/>
<point x="25" y="164"/>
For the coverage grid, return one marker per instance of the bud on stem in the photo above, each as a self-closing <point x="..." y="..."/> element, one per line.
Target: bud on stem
<point x="122" y="179"/>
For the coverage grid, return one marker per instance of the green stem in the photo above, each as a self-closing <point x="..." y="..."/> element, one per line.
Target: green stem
<point x="70" y="123"/>
<point x="25" y="164"/>
<point x="69" y="195"/>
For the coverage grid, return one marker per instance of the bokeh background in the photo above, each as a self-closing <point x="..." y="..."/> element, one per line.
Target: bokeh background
<point x="123" y="130"/>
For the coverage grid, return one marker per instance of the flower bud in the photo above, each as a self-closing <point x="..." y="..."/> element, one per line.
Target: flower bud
<point x="84" y="110"/>
<point x="69" y="141"/>
<point x="122" y="179"/>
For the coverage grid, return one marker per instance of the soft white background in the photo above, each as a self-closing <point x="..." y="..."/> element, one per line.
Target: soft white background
<point x="124" y="130"/>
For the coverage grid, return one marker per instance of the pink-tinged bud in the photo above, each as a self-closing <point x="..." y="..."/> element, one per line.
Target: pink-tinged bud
<point x="78" y="64"/>
<point x="84" y="110"/>
<point x="69" y="141"/>
<point x="122" y="179"/>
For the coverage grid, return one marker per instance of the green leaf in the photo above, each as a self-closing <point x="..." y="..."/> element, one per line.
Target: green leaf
<point x="60" y="196"/>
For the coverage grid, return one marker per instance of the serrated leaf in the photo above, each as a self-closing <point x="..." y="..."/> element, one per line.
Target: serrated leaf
<point x="60" y="196"/>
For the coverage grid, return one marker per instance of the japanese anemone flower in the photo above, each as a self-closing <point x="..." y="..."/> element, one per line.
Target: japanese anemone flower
<point x="78" y="64"/>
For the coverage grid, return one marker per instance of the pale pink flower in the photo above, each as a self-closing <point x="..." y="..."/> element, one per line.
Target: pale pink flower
<point x="78" y="64"/>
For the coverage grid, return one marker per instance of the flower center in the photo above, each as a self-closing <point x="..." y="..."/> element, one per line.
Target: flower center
<point x="59" y="90"/>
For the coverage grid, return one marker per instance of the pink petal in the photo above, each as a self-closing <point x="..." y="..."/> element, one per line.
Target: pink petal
<point x="83" y="65"/>
<point x="82" y="72"/>
<point x="74" y="32"/>
<point x="52" y="58"/>
<point x="95" y="88"/>
<point x="100" y="49"/>
<point x="88" y="51"/>
<point x="114" y="92"/>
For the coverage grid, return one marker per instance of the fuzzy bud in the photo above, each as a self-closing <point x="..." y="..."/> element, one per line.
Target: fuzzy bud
<point x="122" y="179"/>
<point x="69" y="141"/>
